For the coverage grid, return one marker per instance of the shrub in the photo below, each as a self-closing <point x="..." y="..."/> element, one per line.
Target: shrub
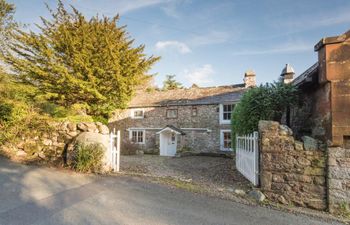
<point x="129" y="148"/>
<point x="266" y="102"/>
<point x="88" y="158"/>
<point x="5" y="112"/>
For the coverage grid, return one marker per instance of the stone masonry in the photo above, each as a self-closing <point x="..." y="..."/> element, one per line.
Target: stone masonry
<point x="339" y="180"/>
<point x="50" y="147"/>
<point x="155" y="119"/>
<point x="292" y="172"/>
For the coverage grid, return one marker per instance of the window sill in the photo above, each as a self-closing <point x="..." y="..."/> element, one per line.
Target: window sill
<point x="225" y="122"/>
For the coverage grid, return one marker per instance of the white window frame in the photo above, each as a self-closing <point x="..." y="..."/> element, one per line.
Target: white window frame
<point x="143" y="136"/>
<point x="137" y="117"/>
<point x="221" y="111"/>
<point x="177" y="113"/>
<point x="222" y="148"/>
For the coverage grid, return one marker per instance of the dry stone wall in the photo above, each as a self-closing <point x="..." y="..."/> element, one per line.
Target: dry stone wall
<point x="52" y="146"/>
<point x="292" y="172"/>
<point x="339" y="180"/>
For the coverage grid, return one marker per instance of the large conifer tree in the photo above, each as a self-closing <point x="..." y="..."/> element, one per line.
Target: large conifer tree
<point x="74" y="60"/>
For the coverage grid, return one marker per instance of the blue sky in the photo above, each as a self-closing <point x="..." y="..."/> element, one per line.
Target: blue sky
<point x="213" y="42"/>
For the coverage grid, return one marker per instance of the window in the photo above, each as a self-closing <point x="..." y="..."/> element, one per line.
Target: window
<point x="171" y="113"/>
<point x="225" y="140"/>
<point x="137" y="136"/>
<point x="137" y="113"/>
<point x="194" y="111"/>
<point x="225" y="113"/>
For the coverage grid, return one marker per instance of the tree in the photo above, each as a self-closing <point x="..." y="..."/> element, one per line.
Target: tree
<point x="7" y="22"/>
<point x="266" y="102"/>
<point x="73" y="60"/>
<point x="170" y="83"/>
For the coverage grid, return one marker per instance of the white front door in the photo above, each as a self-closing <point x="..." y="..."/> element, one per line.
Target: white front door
<point x="168" y="144"/>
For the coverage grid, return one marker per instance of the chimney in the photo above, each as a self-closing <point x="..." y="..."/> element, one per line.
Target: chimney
<point x="287" y="74"/>
<point x="249" y="79"/>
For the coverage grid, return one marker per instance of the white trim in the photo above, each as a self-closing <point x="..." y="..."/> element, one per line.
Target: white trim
<point x="160" y="128"/>
<point x="138" y="117"/>
<point x="221" y="112"/>
<point x="143" y="136"/>
<point x="222" y="140"/>
<point x="168" y="129"/>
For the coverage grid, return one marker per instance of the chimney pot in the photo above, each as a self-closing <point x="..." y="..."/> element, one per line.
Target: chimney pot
<point x="249" y="79"/>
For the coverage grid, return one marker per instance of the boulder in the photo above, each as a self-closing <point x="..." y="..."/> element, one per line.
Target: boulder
<point x="103" y="129"/>
<point x="72" y="127"/>
<point x="88" y="138"/>
<point x="310" y="144"/>
<point x="21" y="153"/>
<point x="285" y="130"/>
<point x="257" y="195"/>
<point x="239" y="192"/>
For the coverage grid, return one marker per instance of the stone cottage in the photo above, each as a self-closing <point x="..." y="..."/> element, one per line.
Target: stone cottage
<point x="194" y="119"/>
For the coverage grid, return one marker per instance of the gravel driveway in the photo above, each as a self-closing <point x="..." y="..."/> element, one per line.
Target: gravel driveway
<point x="215" y="172"/>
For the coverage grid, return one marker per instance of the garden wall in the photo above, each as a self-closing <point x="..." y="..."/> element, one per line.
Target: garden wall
<point x="292" y="172"/>
<point x="50" y="144"/>
<point x="339" y="179"/>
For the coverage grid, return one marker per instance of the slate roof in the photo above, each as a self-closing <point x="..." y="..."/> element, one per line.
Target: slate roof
<point x="308" y="76"/>
<point x="287" y="69"/>
<point x="188" y="96"/>
<point x="173" y="128"/>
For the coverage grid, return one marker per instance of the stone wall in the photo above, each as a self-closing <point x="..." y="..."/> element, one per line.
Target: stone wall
<point x="155" y="119"/>
<point x="50" y="145"/>
<point x="292" y="172"/>
<point x="339" y="180"/>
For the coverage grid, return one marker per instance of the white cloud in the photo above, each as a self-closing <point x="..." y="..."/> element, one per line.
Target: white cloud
<point x="286" y="48"/>
<point x="201" y="75"/>
<point x="307" y="22"/>
<point x="127" y="5"/>
<point x="177" y="45"/>
<point x="121" y="6"/>
<point x="212" y="37"/>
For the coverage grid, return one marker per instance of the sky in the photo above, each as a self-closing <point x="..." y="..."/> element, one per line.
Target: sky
<point x="213" y="42"/>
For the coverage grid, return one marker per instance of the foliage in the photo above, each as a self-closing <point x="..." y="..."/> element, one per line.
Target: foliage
<point x="7" y="22"/>
<point x="89" y="158"/>
<point x="5" y="112"/>
<point x="73" y="60"/>
<point x="170" y="83"/>
<point x="266" y="102"/>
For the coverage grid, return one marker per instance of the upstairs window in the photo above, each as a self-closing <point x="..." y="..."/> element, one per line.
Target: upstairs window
<point x="171" y="113"/>
<point x="137" y="136"/>
<point x="194" y="111"/>
<point x="137" y="113"/>
<point x="225" y="113"/>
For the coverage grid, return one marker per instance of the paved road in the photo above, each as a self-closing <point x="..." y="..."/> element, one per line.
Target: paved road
<point x="43" y="196"/>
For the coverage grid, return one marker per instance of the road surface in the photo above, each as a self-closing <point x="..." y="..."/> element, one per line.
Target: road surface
<point x="46" y="196"/>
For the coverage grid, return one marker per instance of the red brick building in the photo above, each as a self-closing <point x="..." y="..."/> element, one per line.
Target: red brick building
<point x="324" y="114"/>
<point x="325" y="87"/>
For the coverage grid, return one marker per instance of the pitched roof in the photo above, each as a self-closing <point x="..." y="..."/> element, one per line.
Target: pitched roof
<point x="173" y="128"/>
<point x="287" y="70"/>
<point x="188" y="96"/>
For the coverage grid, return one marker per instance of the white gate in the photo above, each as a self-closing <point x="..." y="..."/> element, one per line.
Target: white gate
<point x="247" y="156"/>
<point x="114" y="149"/>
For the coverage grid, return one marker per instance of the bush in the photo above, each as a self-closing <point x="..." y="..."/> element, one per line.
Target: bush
<point x="266" y="102"/>
<point x="88" y="158"/>
<point x="129" y="148"/>
<point x="5" y="112"/>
